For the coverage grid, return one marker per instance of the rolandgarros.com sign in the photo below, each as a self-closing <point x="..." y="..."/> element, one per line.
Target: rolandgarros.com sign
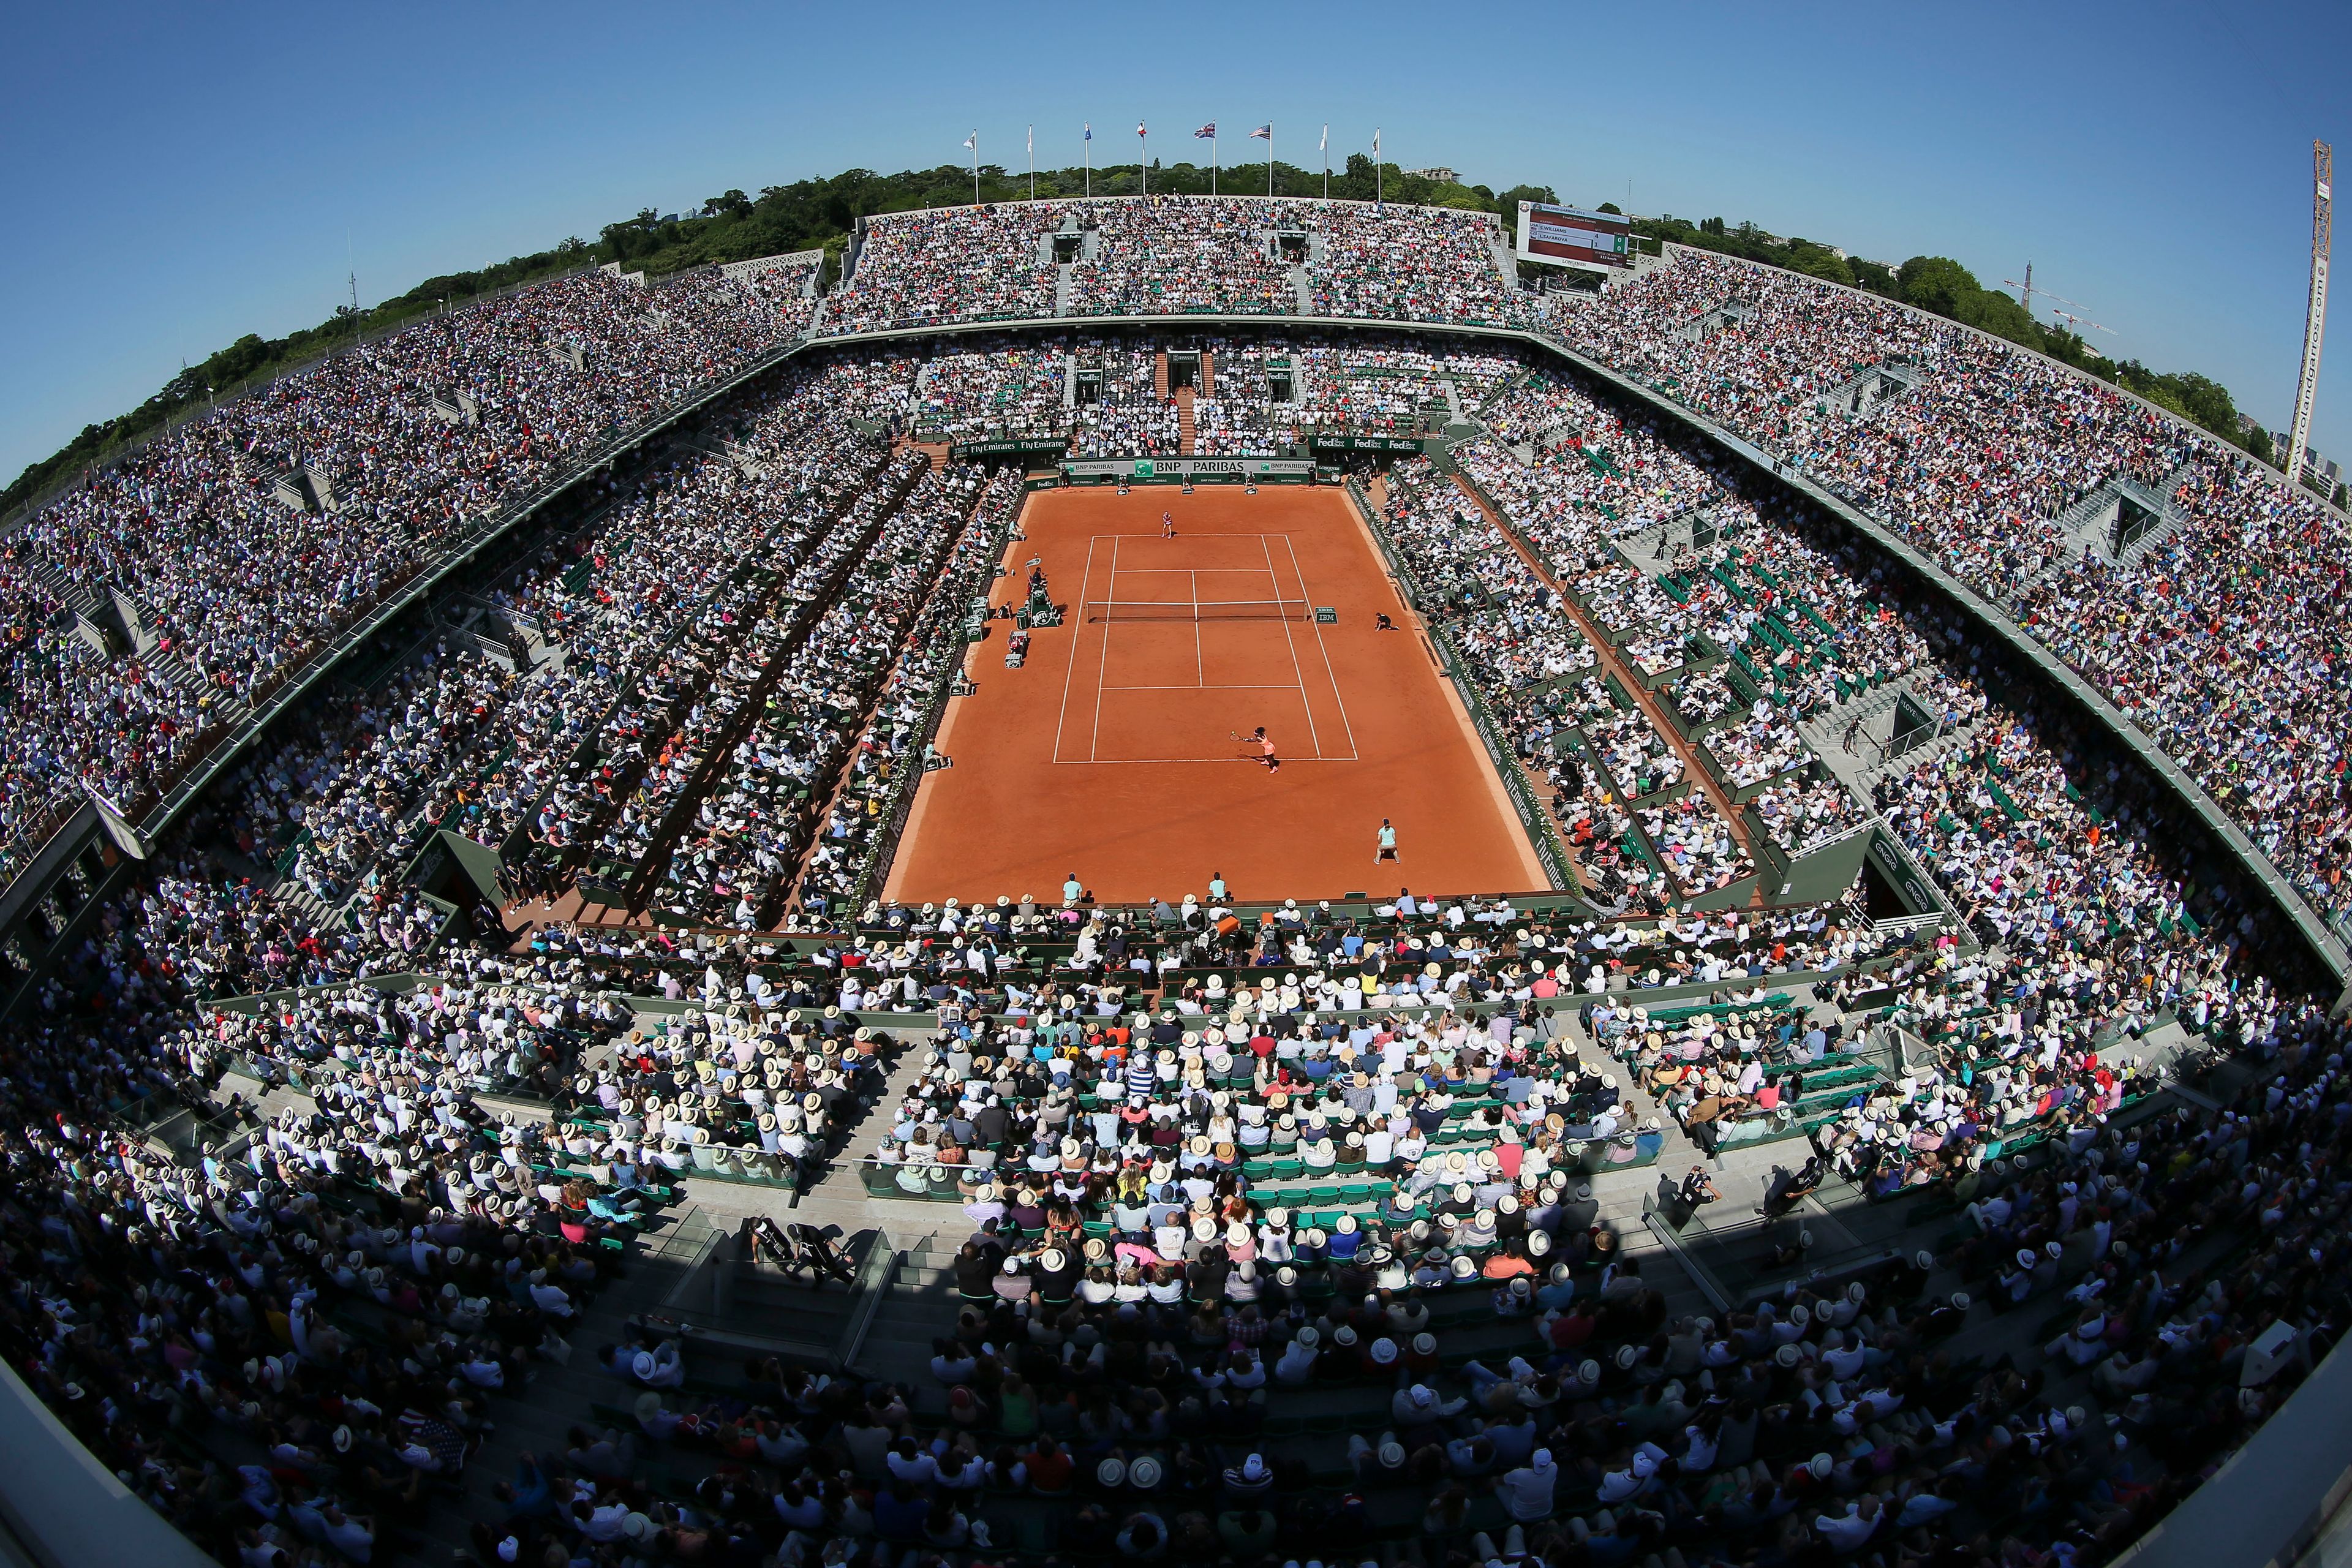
<point x="1172" y="468"/>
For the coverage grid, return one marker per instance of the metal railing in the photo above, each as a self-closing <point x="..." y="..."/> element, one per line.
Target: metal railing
<point x="872" y="1286"/>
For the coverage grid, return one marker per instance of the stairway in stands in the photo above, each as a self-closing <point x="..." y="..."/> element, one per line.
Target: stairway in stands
<point x="173" y="669"/>
<point x="936" y="453"/>
<point x="1869" y="719"/>
<point x="1184" y="427"/>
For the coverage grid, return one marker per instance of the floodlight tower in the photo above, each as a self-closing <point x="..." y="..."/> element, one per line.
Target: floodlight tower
<point x="2323" y="176"/>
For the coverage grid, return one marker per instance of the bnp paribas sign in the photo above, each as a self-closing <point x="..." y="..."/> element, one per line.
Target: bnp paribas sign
<point x="1169" y="468"/>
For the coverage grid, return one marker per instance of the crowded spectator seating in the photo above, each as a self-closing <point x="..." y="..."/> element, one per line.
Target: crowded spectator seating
<point x="1129" y="416"/>
<point x="1412" y="263"/>
<point x="1003" y="392"/>
<point x="231" y="549"/>
<point x="1175" y="255"/>
<point x="2209" y="634"/>
<point x="1289" y="1228"/>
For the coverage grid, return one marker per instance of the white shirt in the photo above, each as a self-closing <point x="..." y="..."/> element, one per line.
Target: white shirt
<point x="1527" y="1491"/>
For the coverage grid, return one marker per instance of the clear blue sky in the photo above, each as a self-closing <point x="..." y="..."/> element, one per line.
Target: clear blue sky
<point x="184" y="175"/>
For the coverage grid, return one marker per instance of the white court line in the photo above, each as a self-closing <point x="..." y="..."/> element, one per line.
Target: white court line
<point x="1163" y="762"/>
<point x="1071" y="674"/>
<point x="1199" y="663"/>
<point x="1244" y="687"/>
<point x="1204" y="570"/>
<point x="1304" y="597"/>
<point x="1304" y="702"/>
<point x="1102" y="667"/>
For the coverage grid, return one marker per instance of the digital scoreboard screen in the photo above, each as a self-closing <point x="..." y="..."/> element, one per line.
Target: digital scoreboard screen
<point x="1570" y="237"/>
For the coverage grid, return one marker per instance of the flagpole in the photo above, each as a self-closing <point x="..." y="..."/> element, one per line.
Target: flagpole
<point x="1087" y="149"/>
<point x="1269" y="159"/>
<point x="1378" y="173"/>
<point x="1033" y="163"/>
<point x="1213" y="165"/>
<point x="975" y="167"/>
<point x="1143" y="166"/>
<point x="1327" y="162"/>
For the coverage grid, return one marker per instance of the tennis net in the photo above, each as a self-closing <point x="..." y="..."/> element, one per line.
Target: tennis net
<point x="1199" y="610"/>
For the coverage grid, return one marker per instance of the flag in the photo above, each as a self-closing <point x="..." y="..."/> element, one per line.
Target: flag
<point x="1325" y="145"/>
<point x="972" y="142"/>
<point x="1207" y="132"/>
<point x="1033" y="140"/>
<point x="1264" y="133"/>
<point x="1090" y="131"/>
<point x="1376" y="142"/>
<point x="1138" y="128"/>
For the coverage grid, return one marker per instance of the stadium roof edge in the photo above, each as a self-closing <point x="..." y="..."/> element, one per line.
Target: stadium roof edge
<point x="2279" y="1499"/>
<point x="60" y="1507"/>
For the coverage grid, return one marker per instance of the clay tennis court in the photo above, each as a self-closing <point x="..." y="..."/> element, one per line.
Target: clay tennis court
<point x="1120" y="751"/>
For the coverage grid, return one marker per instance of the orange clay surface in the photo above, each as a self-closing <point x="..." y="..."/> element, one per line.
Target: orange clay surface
<point x="1111" y="753"/>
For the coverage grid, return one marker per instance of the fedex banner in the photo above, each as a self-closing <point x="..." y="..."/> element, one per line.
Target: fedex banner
<point x="1570" y="237"/>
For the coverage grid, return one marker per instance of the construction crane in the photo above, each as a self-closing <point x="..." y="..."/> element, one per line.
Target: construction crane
<point x="2077" y="322"/>
<point x="2026" y="291"/>
<point x="2323" y="176"/>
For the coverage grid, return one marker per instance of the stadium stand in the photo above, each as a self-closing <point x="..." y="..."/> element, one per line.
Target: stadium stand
<point x="1994" y="463"/>
<point x="356" y="1131"/>
<point x="202" y="567"/>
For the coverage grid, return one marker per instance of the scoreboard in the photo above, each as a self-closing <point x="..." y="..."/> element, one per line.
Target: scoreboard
<point x="1570" y="237"/>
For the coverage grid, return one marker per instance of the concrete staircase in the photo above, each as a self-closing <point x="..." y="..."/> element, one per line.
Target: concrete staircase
<point x="307" y="906"/>
<point x="1185" y="433"/>
<point x="173" y="669"/>
<point x="1860" y="768"/>
<point x="2086" y="524"/>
